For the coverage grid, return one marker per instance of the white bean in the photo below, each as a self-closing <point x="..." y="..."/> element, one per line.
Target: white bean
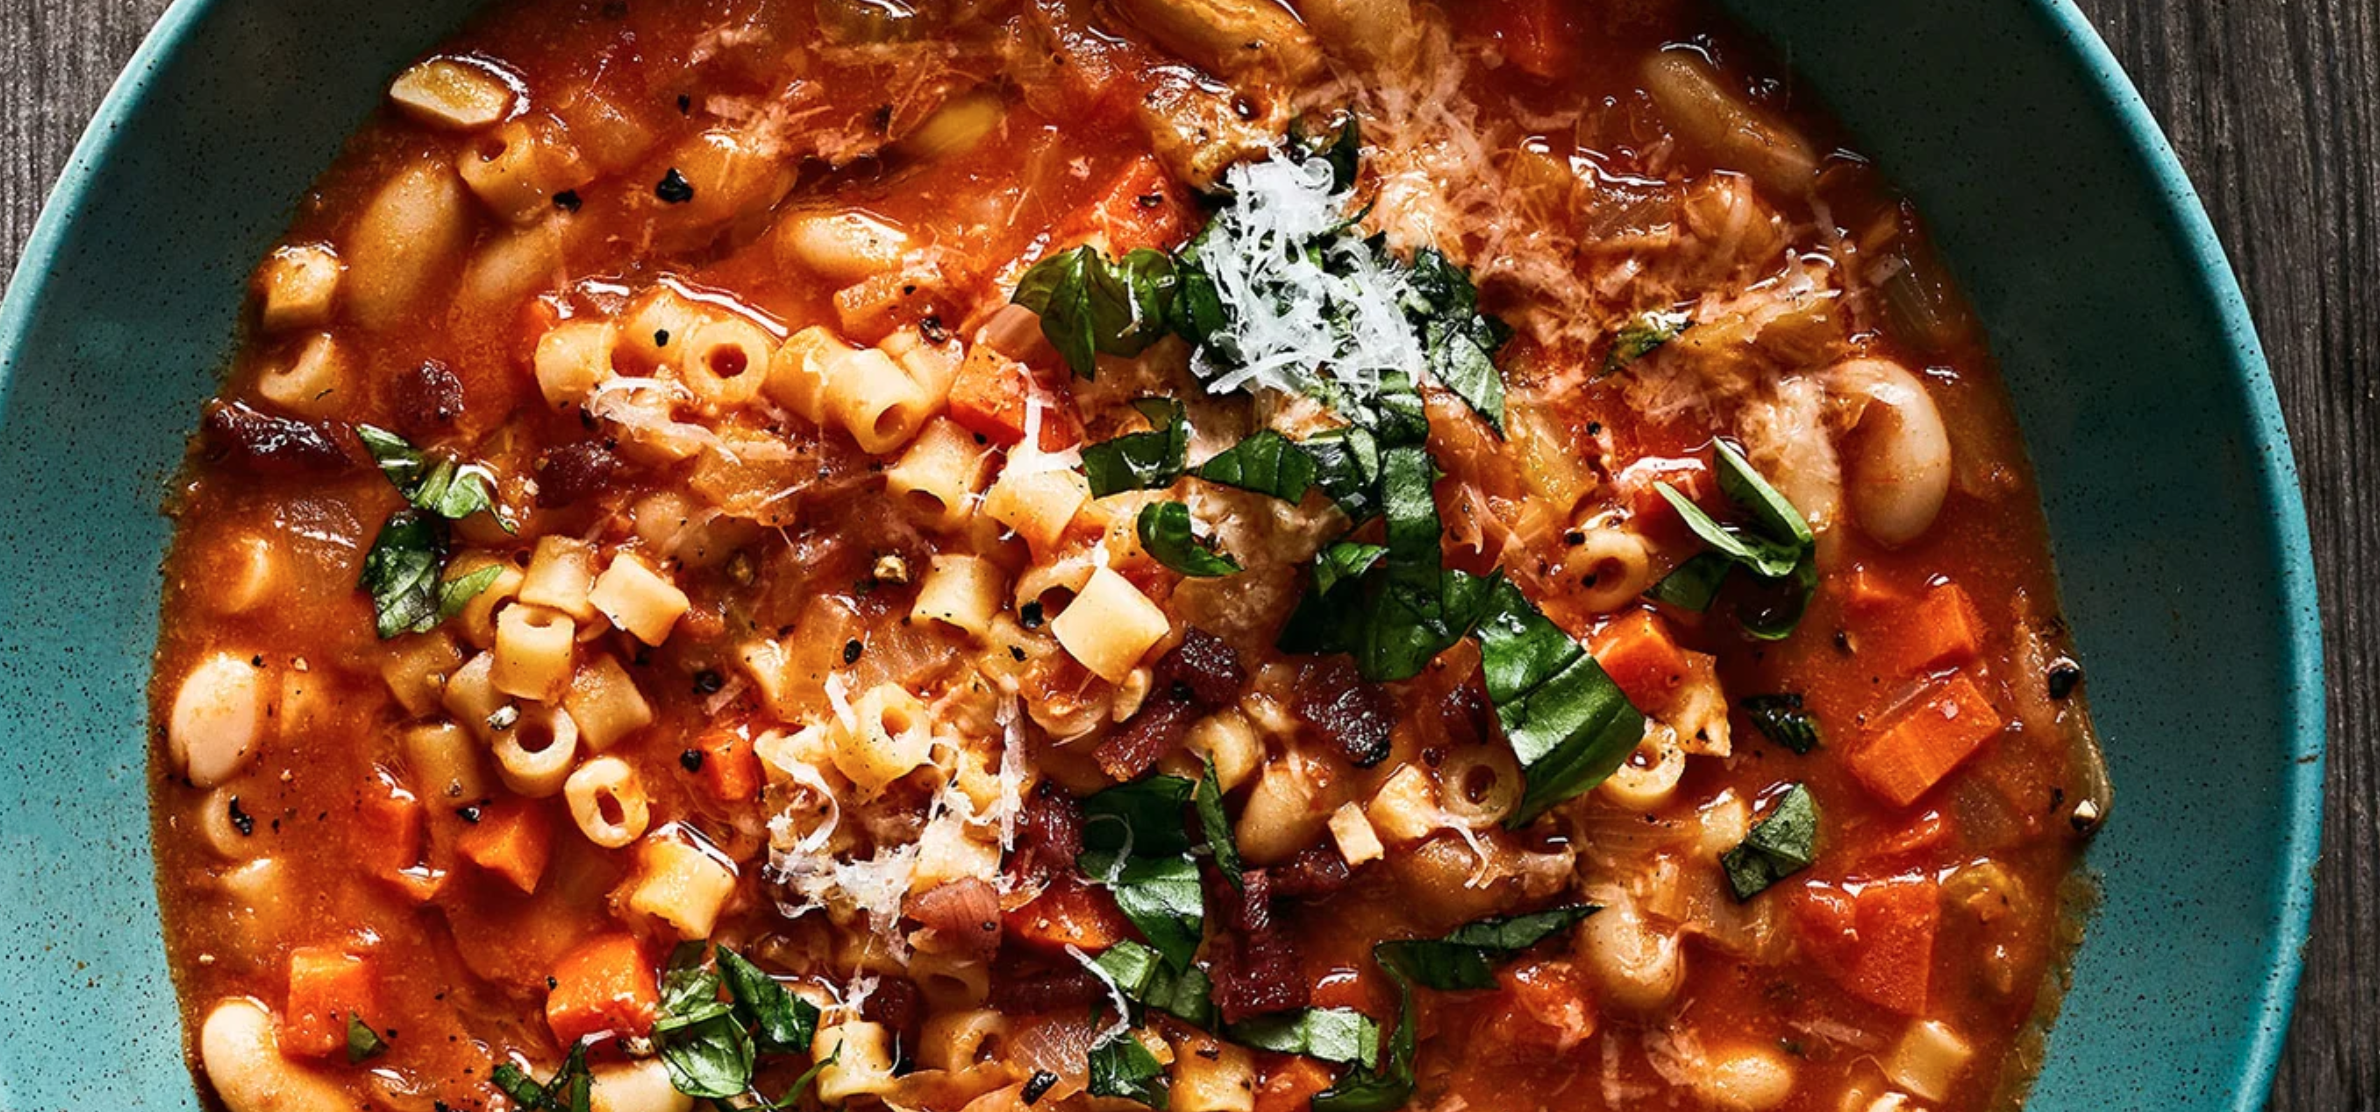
<point x="1897" y="453"/>
<point x="218" y="717"/>
<point x="1749" y="1079"/>
<point x="1640" y="966"/>
<point x="412" y="233"/>
<point x="244" y="1062"/>
<point x="840" y="246"/>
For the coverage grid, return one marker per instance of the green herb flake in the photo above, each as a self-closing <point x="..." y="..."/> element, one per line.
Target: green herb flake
<point x="1090" y="304"/>
<point x="1165" y="531"/>
<point x="1341" y="1035"/>
<point x="1781" y="719"/>
<point x="1466" y="959"/>
<point x="362" y="1041"/>
<point x="1136" y="844"/>
<point x="1775" y="546"/>
<point x="1265" y="462"/>
<point x="1207" y="801"/>
<point x="1642" y="334"/>
<point x="782" y="1023"/>
<point x="1569" y="725"/>
<point x="400" y="572"/>
<point x="1120" y="1066"/>
<point x="1144" y="977"/>
<point x="701" y="1041"/>
<point x="1780" y="845"/>
<point x="1149" y="460"/>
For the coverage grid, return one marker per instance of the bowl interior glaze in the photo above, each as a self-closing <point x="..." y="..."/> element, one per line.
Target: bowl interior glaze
<point x="2165" y="469"/>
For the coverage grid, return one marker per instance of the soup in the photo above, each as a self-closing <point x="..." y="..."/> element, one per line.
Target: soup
<point x="987" y="554"/>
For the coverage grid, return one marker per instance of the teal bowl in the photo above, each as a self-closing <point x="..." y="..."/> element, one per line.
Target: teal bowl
<point x="2163" y="463"/>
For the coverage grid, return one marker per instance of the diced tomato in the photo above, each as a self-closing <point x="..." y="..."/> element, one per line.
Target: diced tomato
<point x="1540" y="1009"/>
<point x="1292" y="1085"/>
<point x="1913" y="752"/>
<point x="326" y="986"/>
<point x="1637" y="652"/>
<point x="1876" y="938"/>
<point x="1068" y="913"/>
<point x="1142" y="207"/>
<point x="988" y="398"/>
<point x="512" y="839"/>
<point x="730" y="769"/>
<point x="1542" y="37"/>
<point x="605" y="986"/>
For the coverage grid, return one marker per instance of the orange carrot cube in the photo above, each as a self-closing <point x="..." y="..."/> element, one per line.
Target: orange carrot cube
<point x="605" y="987"/>
<point x="512" y="839"/>
<point x="327" y="985"/>
<point x="1913" y="752"/>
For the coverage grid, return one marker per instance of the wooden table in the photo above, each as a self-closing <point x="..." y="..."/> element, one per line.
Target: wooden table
<point x="2275" y="108"/>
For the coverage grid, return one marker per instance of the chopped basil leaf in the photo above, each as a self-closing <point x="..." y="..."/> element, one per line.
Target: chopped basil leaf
<point x="1198" y="313"/>
<point x="1466" y="959"/>
<point x="443" y="487"/>
<point x="1776" y="547"/>
<point x="1694" y="584"/>
<point x="455" y="594"/>
<point x="1164" y="529"/>
<point x="1347" y="467"/>
<point x="1091" y="304"/>
<point x="1136" y="844"/>
<point x="1144" y="978"/>
<point x="1782" y="720"/>
<point x="1643" y="333"/>
<point x="1208" y="802"/>
<point x="782" y="1022"/>
<point x="1121" y="1067"/>
<point x="1343" y="562"/>
<point x="1780" y="845"/>
<point x="1458" y="343"/>
<point x="362" y="1041"/>
<point x="1331" y="1034"/>
<point x="1265" y="462"/>
<point x="702" y="1042"/>
<point x="1384" y="1088"/>
<point x="570" y="1090"/>
<point x="1141" y="460"/>
<point x="400" y="572"/>
<point x="1569" y="724"/>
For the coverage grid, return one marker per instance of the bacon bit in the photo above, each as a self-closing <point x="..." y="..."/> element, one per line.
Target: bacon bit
<point x="1315" y="872"/>
<point x="1025" y="987"/>
<point x="1464" y="713"/>
<point x="1049" y="835"/>
<point x="427" y="397"/>
<point x="1355" y="716"/>
<point x="1255" y="966"/>
<point x="277" y="445"/>
<point x="1152" y="732"/>
<point x="961" y="916"/>
<point x="1204" y="668"/>
<point x="900" y="1007"/>
<point x="572" y="473"/>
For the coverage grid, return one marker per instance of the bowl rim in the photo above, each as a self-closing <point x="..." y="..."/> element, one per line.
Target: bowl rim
<point x="2189" y="226"/>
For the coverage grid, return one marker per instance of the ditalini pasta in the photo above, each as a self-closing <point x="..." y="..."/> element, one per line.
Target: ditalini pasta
<point x="1216" y="555"/>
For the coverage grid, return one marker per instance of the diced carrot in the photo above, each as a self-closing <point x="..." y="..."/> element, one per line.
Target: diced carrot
<point x="1944" y="633"/>
<point x="1648" y="510"/>
<point x="988" y="398"/>
<point x="730" y="769"/>
<point x="388" y="828"/>
<point x="1876" y="939"/>
<point x="1867" y="594"/>
<point x="605" y="986"/>
<point x="512" y="839"/>
<point x="1141" y="207"/>
<point x="1068" y="913"/>
<point x="1291" y="1086"/>
<point x="1639" y="655"/>
<point x="326" y="986"/>
<point x="1912" y="753"/>
<point x="1542" y="37"/>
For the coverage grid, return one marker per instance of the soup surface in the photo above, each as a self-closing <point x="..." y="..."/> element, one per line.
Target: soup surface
<point x="985" y="554"/>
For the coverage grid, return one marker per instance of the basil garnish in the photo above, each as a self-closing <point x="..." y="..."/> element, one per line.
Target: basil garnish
<point x="1144" y="978"/>
<point x="570" y="1090"/>
<point x="1782" y="720"/>
<point x="1149" y="460"/>
<point x="362" y="1041"/>
<point x="1265" y="462"/>
<point x="710" y="1045"/>
<point x="1775" y="547"/>
<point x="1332" y="1034"/>
<point x="1165" y="531"/>
<point x="1569" y="724"/>
<point x="1091" y="304"/>
<point x="1643" y="333"/>
<point x="1122" y="1067"/>
<point x="1466" y="958"/>
<point x="1207" y="801"/>
<point x="1136" y="845"/>
<point x="401" y="573"/>
<point x="1780" y="845"/>
<point x="1458" y="342"/>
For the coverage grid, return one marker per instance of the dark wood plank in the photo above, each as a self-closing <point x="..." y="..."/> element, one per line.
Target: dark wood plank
<point x="2275" y="108"/>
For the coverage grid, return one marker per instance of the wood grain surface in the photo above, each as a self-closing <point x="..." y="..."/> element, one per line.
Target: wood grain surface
<point x="2274" y="106"/>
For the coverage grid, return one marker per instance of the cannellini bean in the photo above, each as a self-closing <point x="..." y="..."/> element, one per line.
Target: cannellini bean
<point x="1230" y="38"/>
<point x="1382" y="34"/>
<point x="243" y="1060"/>
<point x="218" y="717"/>
<point x="412" y="233"/>
<point x="840" y="246"/>
<point x="1639" y="965"/>
<point x="635" y="1087"/>
<point x="1749" y="1079"/>
<point x="1733" y="132"/>
<point x="1897" y="453"/>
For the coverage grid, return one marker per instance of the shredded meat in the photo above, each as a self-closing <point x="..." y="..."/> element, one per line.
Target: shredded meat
<point x="962" y="916"/>
<point x="1254" y="964"/>
<point x="1049" y="835"/>
<point x="1354" y="715"/>
<point x="572" y="473"/>
<point x="262" y="442"/>
<point x="427" y="398"/>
